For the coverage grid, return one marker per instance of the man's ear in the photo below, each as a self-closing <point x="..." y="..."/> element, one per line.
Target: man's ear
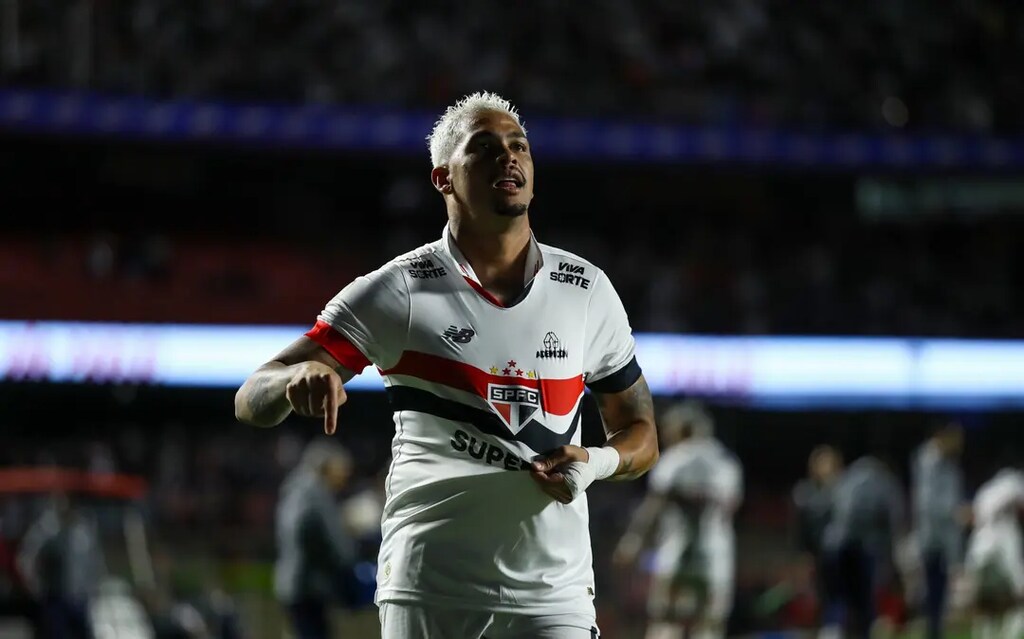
<point x="441" y="179"/>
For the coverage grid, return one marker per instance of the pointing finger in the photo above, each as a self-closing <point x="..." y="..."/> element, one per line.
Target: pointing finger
<point x="331" y="408"/>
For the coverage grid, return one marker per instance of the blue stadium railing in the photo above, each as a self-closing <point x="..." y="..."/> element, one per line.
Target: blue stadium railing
<point x="403" y="132"/>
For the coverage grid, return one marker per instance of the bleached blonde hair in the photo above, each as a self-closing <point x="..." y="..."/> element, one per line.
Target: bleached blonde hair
<point x="448" y="130"/>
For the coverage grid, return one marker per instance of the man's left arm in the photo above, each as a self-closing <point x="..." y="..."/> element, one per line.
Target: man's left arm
<point x="628" y="418"/>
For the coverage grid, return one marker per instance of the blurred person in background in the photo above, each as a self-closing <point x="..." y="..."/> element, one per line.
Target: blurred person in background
<point x="812" y="498"/>
<point x="315" y="554"/>
<point x="693" y="494"/>
<point x="940" y="514"/>
<point x="61" y="561"/>
<point x="868" y="518"/>
<point x="487" y="340"/>
<point x="995" y="564"/>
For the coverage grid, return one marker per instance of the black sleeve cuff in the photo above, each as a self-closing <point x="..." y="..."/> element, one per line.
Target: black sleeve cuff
<point x="618" y="381"/>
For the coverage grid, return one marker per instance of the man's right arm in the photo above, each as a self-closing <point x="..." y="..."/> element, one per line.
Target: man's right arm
<point x="304" y="378"/>
<point x="640" y="530"/>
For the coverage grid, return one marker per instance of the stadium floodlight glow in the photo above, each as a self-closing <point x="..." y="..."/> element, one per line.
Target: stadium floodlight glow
<point x="764" y="372"/>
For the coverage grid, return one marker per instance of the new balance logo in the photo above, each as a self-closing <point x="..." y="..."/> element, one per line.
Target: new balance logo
<point x="459" y="335"/>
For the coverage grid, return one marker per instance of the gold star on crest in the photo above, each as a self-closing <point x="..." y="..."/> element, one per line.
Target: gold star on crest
<point x="494" y="370"/>
<point x="531" y="374"/>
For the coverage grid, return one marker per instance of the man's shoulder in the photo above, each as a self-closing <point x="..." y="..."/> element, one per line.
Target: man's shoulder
<point x="427" y="251"/>
<point x="554" y="257"/>
<point x="568" y="268"/>
<point x="728" y="458"/>
<point x="803" y="492"/>
<point x="422" y="259"/>
<point x="1006" y="479"/>
<point x="926" y="453"/>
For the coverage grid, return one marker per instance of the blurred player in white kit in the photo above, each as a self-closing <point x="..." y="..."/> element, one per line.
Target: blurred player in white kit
<point x="694" y="492"/>
<point x="995" y="565"/>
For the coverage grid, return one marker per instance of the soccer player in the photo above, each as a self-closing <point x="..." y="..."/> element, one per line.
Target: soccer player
<point x="939" y="508"/>
<point x="693" y="493"/>
<point x="994" y="560"/>
<point x="62" y="562"/>
<point x="868" y="513"/>
<point x="315" y="553"/>
<point x="812" y="498"/>
<point x="486" y="340"/>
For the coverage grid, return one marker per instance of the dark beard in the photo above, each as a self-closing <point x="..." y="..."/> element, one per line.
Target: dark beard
<point x="511" y="210"/>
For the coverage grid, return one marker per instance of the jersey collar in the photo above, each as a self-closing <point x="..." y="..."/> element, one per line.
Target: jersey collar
<point x="534" y="259"/>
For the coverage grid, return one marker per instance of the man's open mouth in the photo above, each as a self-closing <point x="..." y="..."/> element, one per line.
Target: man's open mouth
<point x="509" y="183"/>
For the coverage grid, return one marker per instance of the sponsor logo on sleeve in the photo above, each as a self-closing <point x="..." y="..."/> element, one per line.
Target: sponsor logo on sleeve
<point x="569" y="273"/>
<point x="425" y="270"/>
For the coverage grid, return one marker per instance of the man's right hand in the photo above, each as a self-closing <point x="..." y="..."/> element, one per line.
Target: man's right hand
<point x="316" y="390"/>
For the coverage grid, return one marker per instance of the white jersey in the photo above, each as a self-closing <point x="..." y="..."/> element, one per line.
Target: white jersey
<point x="701" y="468"/>
<point x="478" y="390"/>
<point x="997" y="537"/>
<point x="999" y="500"/>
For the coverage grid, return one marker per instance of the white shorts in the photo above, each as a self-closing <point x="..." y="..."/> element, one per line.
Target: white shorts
<point x="997" y="547"/>
<point x="412" y="621"/>
<point x="676" y="589"/>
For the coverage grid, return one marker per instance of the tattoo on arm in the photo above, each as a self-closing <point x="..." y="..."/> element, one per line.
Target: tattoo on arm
<point x="622" y="413"/>
<point x="625" y="407"/>
<point x="626" y="467"/>
<point x="636" y="400"/>
<point x="259" y="394"/>
<point x="262" y="400"/>
<point x="262" y="397"/>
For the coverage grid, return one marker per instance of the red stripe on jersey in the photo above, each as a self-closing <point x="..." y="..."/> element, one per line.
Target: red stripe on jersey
<point x="557" y="396"/>
<point x="338" y="346"/>
<point x="483" y="291"/>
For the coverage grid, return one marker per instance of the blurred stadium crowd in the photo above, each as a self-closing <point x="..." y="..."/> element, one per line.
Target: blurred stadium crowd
<point x="691" y="249"/>
<point x="743" y="61"/>
<point x="948" y="279"/>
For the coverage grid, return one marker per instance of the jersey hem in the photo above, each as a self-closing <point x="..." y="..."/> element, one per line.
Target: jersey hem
<point x="396" y="595"/>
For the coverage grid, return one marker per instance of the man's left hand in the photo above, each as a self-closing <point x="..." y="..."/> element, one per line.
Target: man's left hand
<point x="547" y="471"/>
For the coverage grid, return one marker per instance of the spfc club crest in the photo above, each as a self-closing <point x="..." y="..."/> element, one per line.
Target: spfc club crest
<point x="514" y="404"/>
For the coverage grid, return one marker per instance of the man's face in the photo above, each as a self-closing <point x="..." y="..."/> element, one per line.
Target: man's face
<point x="951" y="442"/>
<point x="824" y="465"/>
<point x="336" y="474"/>
<point x="492" y="171"/>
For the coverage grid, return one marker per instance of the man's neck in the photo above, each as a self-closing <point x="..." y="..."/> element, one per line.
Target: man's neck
<point x="498" y="256"/>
